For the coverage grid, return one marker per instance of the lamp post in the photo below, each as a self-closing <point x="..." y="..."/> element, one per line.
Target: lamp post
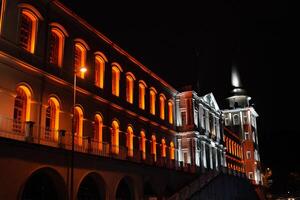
<point x="82" y="70"/>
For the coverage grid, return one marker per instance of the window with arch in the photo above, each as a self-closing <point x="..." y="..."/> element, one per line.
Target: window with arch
<point x="162" y="100"/>
<point x="163" y="148"/>
<point x="142" y="90"/>
<point x="98" y="131"/>
<point x="153" y="147"/>
<point x="28" y="29"/>
<point x="152" y="100"/>
<point x="21" y="109"/>
<point x="170" y="111"/>
<point x="116" y="80"/>
<point x="56" y="44"/>
<point x="78" y="125"/>
<point x="115" y="137"/>
<point x="172" y="151"/>
<point x="52" y="119"/>
<point x="100" y="60"/>
<point x="129" y="87"/>
<point x="143" y="144"/>
<point x="129" y="143"/>
<point x="79" y="58"/>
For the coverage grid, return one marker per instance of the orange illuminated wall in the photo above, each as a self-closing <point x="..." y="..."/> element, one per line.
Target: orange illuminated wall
<point x="2" y="10"/>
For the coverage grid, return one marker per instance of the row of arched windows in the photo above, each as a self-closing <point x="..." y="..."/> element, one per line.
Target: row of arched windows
<point x="233" y="148"/>
<point x="22" y="114"/>
<point x="27" y="40"/>
<point x="235" y="167"/>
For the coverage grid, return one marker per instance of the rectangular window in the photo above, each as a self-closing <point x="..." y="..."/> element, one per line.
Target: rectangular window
<point x="246" y="136"/>
<point x="248" y="154"/>
<point x="183" y="118"/>
<point x="227" y="121"/>
<point x="251" y="175"/>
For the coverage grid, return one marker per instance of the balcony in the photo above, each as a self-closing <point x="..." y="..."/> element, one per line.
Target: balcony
<point x="30" y="133"/>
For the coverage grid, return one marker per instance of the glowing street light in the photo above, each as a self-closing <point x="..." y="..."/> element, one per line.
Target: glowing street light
<point x="83" y="70"/>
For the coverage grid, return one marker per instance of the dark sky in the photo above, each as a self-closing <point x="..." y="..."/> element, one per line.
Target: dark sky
<point x="185" y="43"/>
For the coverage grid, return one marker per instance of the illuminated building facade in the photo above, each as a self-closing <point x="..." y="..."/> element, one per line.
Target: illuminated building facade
<point x="240" y="122"/>
<point x="200" y="132"/>
<point x="135" y="136"/>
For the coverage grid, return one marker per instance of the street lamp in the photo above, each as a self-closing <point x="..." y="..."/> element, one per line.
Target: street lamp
<point x="82" y="70"/>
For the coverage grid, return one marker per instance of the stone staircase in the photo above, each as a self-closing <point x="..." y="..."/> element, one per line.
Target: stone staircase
<point x="187" y="191"/>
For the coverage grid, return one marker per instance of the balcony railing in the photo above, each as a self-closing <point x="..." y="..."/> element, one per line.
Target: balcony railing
<point x="29" y="132"/>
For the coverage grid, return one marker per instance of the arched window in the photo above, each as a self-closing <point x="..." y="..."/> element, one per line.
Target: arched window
<point x="79" y="59"/>
<point x="153" y="147"/>
<point x="170" y="111"/>
<point x="78" y="125"/>
<point x="172" y="151"/>
<point x="152" y="100"/>
<point x="143" y="145"/>
<point x="162" y="99"/>
<point x="21" y="109"/>
<point x="57" y="43"/>
<point x="129" y="142"/>
<point x="229" y="146"/>
<point x="129" y="87"/>
<point x="28" y="30"/>
<point x="163" y="148"/>
<point x="116" y="69"/>
<point x="115" y="137"/>
<point x="142" y="89"/>
<point x="98" y="128"/>
<point x="100" y="60"/>
<point x="52" y="119"/>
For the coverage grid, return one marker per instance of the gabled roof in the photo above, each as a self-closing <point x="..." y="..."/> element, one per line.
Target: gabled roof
<point x="211" y="101"/>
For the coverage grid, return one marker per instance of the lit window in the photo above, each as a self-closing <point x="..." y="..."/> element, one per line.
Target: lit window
<point x="152" y="100"/>
<point x="153" y="147"/>
<point x="115" y="137"/>
<point x="142" y="88"/>
<point x="172" y="151"/>
<point x="28" y="30"/>
<point x="78" y="121"/>
<point x="143" y="145"/>
<point x="57" y="43"/>
<point x="246" y="136"/>
<point x="170" y="113"/>
<point x="129" y="87"/>
<point x="236" y="119"/>
<point x="98" y="128"/>
<point x="129" y="142"/>
<point x="21" y="109"/>
<point x="79" y="59"/>
<point x="2" y="9"/>
<point x="100" y="70"/>
<point x="251" y="175"/>
<point x="227" y="121"/>
<point x="163" y="148"/>
<point x="248" y="154"/>
<point x="162" y="99"/>
<point x="52" y="119"/>
<point x="116" y="69"/>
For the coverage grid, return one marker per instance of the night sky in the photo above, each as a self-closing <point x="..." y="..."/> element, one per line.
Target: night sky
<point x="186" y="44"/>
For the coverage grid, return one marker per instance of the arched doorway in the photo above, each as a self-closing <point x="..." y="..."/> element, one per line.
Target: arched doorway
<point x="92" y="187"/>
<point x="44" y="184"/>
<point x="125" y="190"/>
